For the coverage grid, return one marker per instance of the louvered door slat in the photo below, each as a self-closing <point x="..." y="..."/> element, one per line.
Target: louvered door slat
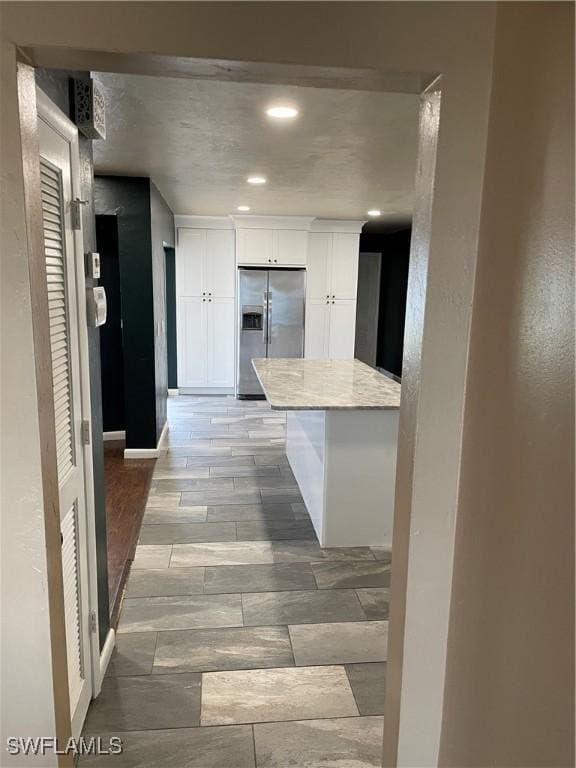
<point x="53" y="220"/>
<point x="72" y="607"/>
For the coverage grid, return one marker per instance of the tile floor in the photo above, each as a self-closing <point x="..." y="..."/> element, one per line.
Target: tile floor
<point x="241" y="643"/>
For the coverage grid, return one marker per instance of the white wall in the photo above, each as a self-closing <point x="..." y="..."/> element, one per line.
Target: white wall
<point x="26" y="664"/>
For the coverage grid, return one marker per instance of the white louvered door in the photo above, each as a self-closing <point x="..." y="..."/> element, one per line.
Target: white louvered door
<point x="62" y="265"/>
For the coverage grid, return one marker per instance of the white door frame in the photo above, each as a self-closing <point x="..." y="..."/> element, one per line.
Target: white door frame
<point x="60" y="123"/>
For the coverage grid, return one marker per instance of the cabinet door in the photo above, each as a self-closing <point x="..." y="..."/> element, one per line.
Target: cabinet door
<point x="317" y="274"/>
<point x="291" y="247"/>
<point x="342" y="330"/>
<point x="255" y="246"/>
<point x="190" y="262"/>
<point x="220" y="263"/>
<point x="344" y="268"/>
<point x="220" y="343"/>
<point x="317" y="329"/>
<point x="191" y="334"/>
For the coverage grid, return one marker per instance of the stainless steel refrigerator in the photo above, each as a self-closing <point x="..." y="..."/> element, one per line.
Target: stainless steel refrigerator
<point x="271" y="321"/>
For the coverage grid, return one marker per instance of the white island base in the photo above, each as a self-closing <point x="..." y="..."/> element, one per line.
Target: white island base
<point x="345" y="464"/>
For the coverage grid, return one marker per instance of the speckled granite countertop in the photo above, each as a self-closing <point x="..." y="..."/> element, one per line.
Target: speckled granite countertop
<point x="322" y="385"/>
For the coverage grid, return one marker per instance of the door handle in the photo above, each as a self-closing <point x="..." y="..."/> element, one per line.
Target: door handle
<point x="269" y="322"/>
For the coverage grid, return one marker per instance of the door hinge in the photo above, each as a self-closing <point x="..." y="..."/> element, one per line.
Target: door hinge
<point x="76" y="210"/>
<point x="85" y="433"/>
<point x="93" y="621"/>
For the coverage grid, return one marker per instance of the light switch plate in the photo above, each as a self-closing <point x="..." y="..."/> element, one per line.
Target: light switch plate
<point x="93" y="262"/>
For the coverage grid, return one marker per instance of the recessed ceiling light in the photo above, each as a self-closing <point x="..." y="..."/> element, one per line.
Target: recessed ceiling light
<point x="374" y="212"/>
<point x="256" y="180"/>
<point x="282" y="112"/>
<point x="243" y="208"/>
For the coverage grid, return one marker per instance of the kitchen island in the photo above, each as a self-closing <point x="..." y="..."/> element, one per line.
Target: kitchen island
<point x="341" y="439"/>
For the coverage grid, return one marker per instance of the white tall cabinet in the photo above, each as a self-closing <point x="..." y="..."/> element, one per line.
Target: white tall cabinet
<point x="205" y="304"/>
<point x="332" y="281"/>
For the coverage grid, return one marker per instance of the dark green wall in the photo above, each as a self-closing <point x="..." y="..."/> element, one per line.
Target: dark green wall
<point x="111" y="346"/>
<point x="144" y="222"/>
<point x="129" y="200"/>
<point x="56" y="84"/>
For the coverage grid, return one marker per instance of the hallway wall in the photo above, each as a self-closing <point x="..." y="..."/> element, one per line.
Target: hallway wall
<point x="510" y="676"/>
<point x="162" y="233"/>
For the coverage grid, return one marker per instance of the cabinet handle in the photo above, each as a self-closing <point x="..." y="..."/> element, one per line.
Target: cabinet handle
<point x="203" y="299"/>
<point x="275" y="261"/>
<point x="327" y="295"/>
<point x="327" y="302"/>
<point x="333" y="302"/>
<point x="211" y="300"/>
<point x="209" y="294"/>
<point x="333" y="296"/>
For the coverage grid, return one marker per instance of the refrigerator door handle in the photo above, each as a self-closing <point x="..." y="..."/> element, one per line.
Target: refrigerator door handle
<point x="268" y="321"/>
<point x="265" y="323"/>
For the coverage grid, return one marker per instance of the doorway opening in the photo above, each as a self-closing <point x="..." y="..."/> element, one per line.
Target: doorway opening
<point x="381" y="313"/>
<point x="191" y="489"/>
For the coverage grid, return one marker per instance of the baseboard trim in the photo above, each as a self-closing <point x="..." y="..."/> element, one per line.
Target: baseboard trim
<point x="106" y="653"/>
<point x="147" y="453"/>
<point x="162" y="435"/>
<point x="173" y="392"/>
<point x="119" y="434"/>
<point x="206" y="390"/>
<point x="141" y="453"/>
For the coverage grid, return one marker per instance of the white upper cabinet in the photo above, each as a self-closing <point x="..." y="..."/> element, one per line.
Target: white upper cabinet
<point x="205" y="263"/>
<point x="291" y="247"/>
<point x="333" y="265"/>
<point x="190" y="262"/>
<point x="254" y="246"/>
<point x="344" y="263"/>
<point x="220" y="263"/>
<point x="318" y="275"/>
<point x="272" y="247"/>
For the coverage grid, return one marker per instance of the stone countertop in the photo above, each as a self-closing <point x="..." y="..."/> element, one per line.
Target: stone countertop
<point x="292" y="384"/>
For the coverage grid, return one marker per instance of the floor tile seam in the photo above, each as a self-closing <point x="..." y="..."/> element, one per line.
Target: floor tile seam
<point x="289" y="720"/>
<point x="254" y="745"/>
<point x="317" y="622"/>
<point x="238" y="725"/>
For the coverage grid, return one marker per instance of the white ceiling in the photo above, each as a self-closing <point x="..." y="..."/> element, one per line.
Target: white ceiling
<point x="347" y="152"/>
